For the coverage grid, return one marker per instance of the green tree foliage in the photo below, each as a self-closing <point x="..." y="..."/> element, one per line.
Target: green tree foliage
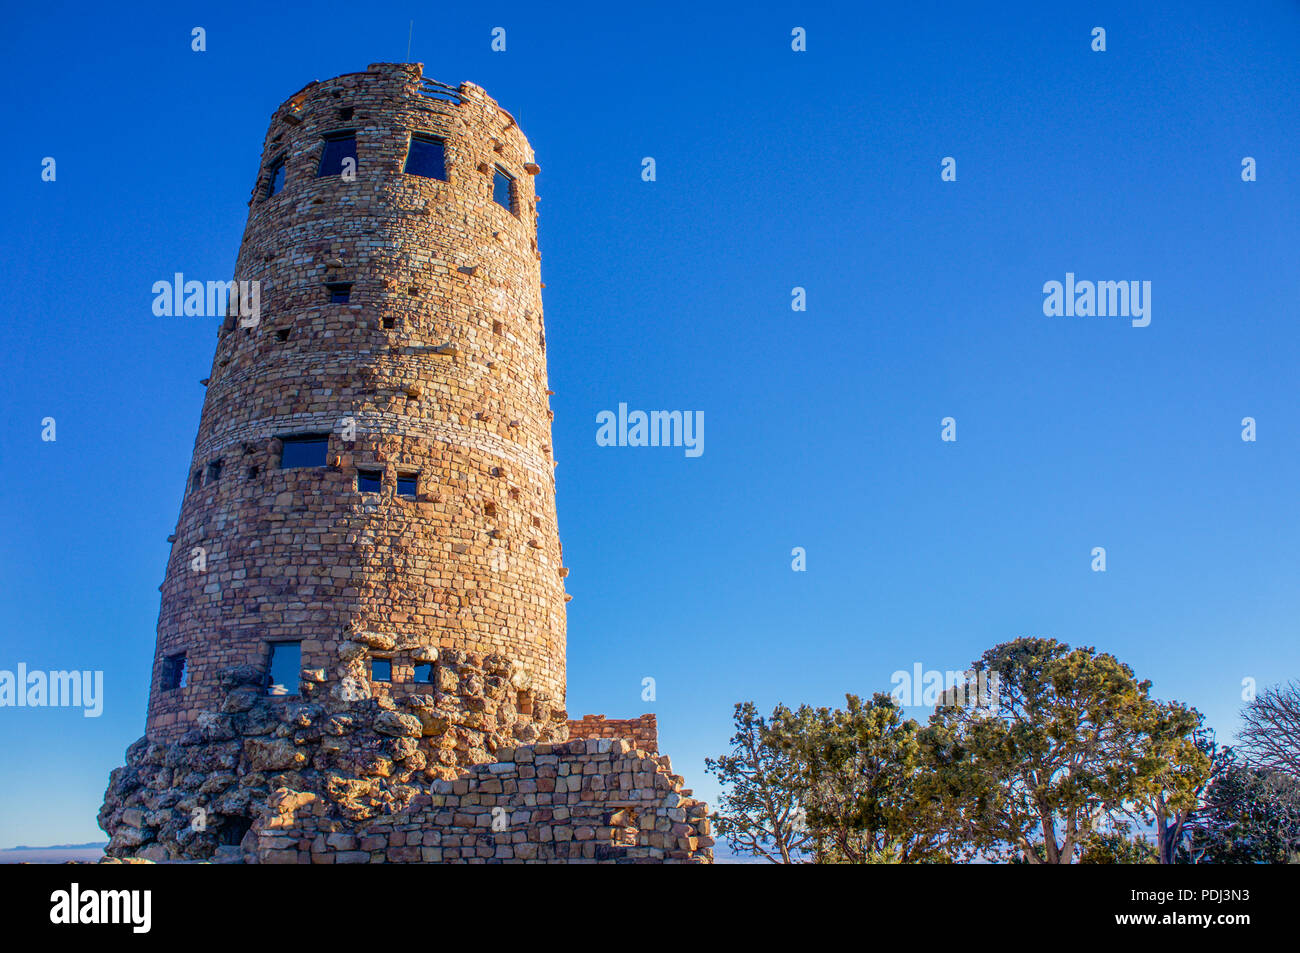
<point x="1054" y="760"/>
<point x="1171" y="764"/>
<point x="1251" y="816"/>
<point x="863" y="782"/>
<point x="759" y="812"/>
<point x="1118" y="847"/>
<point x="1054" y="765"/>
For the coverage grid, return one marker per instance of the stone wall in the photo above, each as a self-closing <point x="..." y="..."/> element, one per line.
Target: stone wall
<point x="643" y="732"/>
<point x="583" y="801"/>
<point x="441" y="777"/>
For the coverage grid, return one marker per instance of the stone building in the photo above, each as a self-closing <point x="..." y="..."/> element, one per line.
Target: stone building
<point x="361" y="646"/>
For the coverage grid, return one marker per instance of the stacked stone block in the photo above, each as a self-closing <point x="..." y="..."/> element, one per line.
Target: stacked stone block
<point x="584" y="801"/>
<point x="642" y="732"/>
<point x="394" y="780"/>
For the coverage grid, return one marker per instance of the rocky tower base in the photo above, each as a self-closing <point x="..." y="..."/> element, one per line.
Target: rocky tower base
<point x="434" y="778"/>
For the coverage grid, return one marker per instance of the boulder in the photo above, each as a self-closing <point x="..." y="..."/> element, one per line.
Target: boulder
<point x="273" y="755"/>
<point x="396" y="724"/>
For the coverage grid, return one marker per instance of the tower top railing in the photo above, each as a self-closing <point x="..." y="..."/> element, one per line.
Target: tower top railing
<point x="432" y="89"/>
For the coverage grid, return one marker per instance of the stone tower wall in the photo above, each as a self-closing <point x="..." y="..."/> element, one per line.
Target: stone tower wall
<point x="438" y="361"/>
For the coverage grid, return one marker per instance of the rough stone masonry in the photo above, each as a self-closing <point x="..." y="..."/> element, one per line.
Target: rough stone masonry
<point x="372" y="498"/>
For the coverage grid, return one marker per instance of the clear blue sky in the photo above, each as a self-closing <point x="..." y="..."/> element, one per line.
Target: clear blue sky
<point x="775" y="169"/>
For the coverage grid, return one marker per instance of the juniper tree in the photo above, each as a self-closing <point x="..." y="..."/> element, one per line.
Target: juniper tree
<point x="1038" y="775"/>
<point x="1251" y="816"/>
<point x="759" y="812"/>
<point x="863" y="782"/>
<point x="1172" y="763"/>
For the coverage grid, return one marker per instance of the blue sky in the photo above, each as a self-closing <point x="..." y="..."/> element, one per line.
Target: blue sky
<point x="775" y="169"/>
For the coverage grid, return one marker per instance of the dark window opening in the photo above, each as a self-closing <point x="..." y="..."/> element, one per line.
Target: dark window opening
<point x="345" y="112"/>
<point x="304" y="450"/>
<point x="233" y="830"/>
<point x="424" y="672"/>
<point x="406" y="484"/>
<point x="340" y="291"/>
<point x="390" y="323"/>
<point x="214" y="471"/>
<point x="369" y="481"/>
<point x="285" y="668"/>
<point x="427" y="157"/>
<point x="275" y="182"/>
<point x="196" y="481"/>
<point x="381" y="670"/>
<point x="282" y="335"/>
<point x="254" y="472"/>
<point x="338" y="147"/>
<point x="173" y="672"/>
<point x="503" y="189"/>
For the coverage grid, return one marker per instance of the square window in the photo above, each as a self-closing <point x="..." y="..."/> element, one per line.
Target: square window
<point x="340" y="291"/>
<point x="427" y="157"/>
<point x="390" y="323"/>
<point x="173" y="672"/>
<point x="214" y="471"/>
<point x="282" y="334"/>
<point x="345" y="112"/>
<point x="424" y="672"/>
<point x="381" y="670"/>
<point x="275" y="182"/>
<point x="233" y="829"/>
<point x="304" y="450"/>
<point x="369" y="481"/>
<point x="407" y="483"/>
<point x="285" y="668"/>
<point x="338" y="148"/>
<point x="503" y="189"/>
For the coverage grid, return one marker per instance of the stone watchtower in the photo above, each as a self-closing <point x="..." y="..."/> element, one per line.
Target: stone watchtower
<point x="373" y="462"/>
<point x="361" y="648"/>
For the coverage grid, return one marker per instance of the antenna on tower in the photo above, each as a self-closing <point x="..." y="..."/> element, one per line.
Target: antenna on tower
<point x="408" y="42"/>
